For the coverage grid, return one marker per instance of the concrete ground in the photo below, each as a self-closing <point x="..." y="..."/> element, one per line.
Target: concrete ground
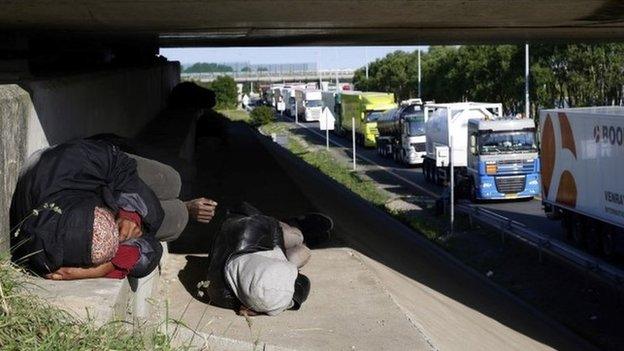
<point x="375" y="286"/>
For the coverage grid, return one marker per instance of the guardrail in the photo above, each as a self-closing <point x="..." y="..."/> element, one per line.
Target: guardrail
<point x="545" y="245"/>
<point x="274" y="76"/>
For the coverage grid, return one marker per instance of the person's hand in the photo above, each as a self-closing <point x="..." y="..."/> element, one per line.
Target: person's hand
<point x="128" y="229"/>
<point x="202" y="210"/>
<point x="65" y="273"/>
<point x="245" y="311"/>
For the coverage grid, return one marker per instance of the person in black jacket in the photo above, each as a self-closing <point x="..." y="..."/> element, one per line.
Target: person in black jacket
<point x="255" y="259"/>
<point x="77" y="201"/>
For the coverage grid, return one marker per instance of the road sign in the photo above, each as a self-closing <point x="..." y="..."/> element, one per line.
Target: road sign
<point x="327" y="120"/>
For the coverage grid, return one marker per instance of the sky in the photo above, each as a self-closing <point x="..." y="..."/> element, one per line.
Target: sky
<point x="339" y="57"/>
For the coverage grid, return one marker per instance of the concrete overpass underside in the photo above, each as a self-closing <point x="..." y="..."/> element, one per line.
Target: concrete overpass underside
<point x="317" y="22"/>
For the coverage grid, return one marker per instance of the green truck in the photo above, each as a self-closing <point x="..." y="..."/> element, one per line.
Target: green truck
<point x="363" y="109"/>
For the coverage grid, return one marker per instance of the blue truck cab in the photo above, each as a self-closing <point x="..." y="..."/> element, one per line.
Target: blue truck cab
<point x="503" y="160"/>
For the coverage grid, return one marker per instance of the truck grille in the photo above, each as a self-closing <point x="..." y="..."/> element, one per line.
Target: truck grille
<point x="510" y="185"/>
<point x="419" y="147"/>
<point x="315" y="114"/>
<point x="515" y="166"/>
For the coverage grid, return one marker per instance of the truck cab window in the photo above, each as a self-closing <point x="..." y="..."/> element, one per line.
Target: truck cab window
<point x="497" y="142"/>
<point x="373" y="116"/>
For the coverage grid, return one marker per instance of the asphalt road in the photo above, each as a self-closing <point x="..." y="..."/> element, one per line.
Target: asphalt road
<point x="529" y="213"/>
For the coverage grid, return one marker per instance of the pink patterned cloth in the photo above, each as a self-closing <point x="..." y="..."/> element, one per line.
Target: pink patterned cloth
<point x="105" y="236"/>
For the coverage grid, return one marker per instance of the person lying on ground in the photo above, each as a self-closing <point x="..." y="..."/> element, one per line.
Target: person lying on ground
<point x="115" y="207"/>
<point x="255" y="260"/>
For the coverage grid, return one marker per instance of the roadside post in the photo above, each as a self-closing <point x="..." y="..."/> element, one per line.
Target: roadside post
<point x="353" y="137"/>
<point x="296" y="113"/>
<point x="527" y="106"/>
<point x="452" y="184"/>
<point x="326" y="123"/>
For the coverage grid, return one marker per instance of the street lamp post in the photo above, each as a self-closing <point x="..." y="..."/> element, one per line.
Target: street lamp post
<point x="527" y="107"/>
<point x="419" y="76"/>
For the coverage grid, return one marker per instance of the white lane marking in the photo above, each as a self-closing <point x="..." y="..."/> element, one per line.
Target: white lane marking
<point x="383" y="168"/>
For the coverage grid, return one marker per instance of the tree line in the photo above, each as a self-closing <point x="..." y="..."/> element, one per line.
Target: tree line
<point x="204" y="67"/>
<point x="560" y="75"/>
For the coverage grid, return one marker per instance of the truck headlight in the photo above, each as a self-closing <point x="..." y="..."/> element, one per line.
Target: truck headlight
<point x="486" y="185"/>
<point x="533" y="182"/>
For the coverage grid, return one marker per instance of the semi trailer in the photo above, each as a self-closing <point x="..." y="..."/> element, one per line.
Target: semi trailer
<point x="582" y="152"/>
<point x="402" y="133"/>
<point x="493" y="157"/>
<point x="363" y="109"/>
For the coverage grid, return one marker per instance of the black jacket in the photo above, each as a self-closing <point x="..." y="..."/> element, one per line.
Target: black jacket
<point x="76" y="176"/>
<point x="245" y="230"/>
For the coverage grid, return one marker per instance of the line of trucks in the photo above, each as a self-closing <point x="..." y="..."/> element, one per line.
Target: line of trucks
<point x="578" y="169"/>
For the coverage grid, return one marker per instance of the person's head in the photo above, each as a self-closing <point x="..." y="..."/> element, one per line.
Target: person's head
<point x="266" y="282"/>
<point x="105" y="239"/>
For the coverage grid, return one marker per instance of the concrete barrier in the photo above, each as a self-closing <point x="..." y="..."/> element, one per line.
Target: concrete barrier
<point x="42" y="112"/>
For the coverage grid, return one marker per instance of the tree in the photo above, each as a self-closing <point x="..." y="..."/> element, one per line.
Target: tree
<point x="203" y="67"/>
<point x="226" y="92"/>
<point x="246" y="69"/>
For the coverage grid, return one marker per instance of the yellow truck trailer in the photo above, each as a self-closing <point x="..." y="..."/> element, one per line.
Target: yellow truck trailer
<point x="365" y="108"/>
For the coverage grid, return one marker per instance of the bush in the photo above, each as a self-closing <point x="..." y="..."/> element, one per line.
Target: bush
<point x="262" y="115"/>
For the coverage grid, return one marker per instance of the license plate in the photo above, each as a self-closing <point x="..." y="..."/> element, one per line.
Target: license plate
<point x="511" y="196"/>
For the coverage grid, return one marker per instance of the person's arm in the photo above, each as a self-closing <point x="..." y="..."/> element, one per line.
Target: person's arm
<point x="73" y="273"/>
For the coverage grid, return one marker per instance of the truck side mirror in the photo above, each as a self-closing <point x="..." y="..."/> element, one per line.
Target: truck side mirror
<point x="473" y="144"/>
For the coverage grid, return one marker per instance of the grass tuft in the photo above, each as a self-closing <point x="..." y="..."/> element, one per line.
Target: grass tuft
<point x="27" y="322"/>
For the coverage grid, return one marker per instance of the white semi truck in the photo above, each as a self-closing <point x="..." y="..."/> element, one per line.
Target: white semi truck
<point x="493" y="157"/>
<point x="582" y="153"/>
<point x="402" y="133"/>
<point x="312" y="105"/>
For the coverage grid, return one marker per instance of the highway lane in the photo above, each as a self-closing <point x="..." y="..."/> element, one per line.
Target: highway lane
<point x="529" y="213"/>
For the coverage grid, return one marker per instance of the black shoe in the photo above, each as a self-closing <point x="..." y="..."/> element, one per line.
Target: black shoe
<point x="315" y="227"/>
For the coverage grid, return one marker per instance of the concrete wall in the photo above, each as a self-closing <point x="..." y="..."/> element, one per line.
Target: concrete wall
<point x="44" y="112"/>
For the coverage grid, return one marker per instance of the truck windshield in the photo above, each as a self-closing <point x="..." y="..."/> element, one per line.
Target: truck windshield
<point x="416" y="123"/>
<point x="497" y="142"/>
<point x="314" y="103"/>
<point x="373" y="116"/>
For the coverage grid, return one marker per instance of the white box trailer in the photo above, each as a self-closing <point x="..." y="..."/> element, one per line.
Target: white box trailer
<point x="446" y="120"/>
<point x="582" y="155"/>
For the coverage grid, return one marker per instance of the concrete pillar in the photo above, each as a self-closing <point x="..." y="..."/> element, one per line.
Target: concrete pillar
<point x="15" y="109"/>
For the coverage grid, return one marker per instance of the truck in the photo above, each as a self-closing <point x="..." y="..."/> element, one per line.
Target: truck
<point x="312" y="105"/>
<point x="493" y="157"/>
<point x="363" y="109"/>
<point x="582" y="152"/>
<point x="402" y="133"/>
